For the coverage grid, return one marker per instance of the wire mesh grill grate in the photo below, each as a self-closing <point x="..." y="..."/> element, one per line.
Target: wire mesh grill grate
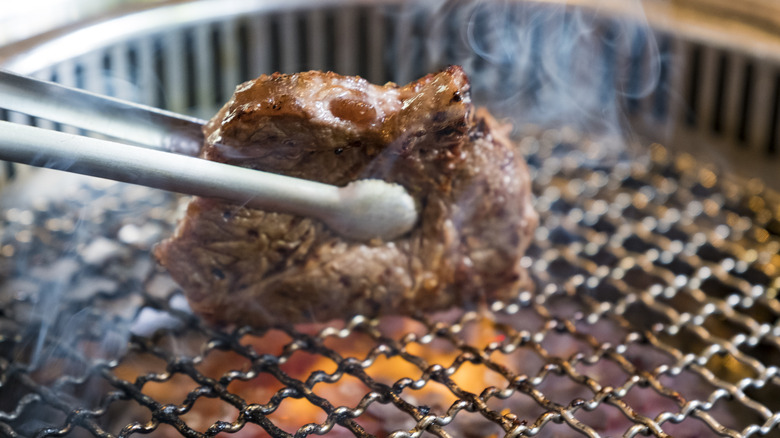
<point x="655" y="313"/>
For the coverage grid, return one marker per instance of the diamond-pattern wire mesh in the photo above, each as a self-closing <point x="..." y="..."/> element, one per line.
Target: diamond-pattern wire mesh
<point x="655" y="313"/>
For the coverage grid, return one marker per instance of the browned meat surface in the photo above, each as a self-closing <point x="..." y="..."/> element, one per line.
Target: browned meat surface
<point x="247" y="266"/>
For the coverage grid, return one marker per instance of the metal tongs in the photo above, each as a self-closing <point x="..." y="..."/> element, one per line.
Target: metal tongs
<point x="164" y="158"/>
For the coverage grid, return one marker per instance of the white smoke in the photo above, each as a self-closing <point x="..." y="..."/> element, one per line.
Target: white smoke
<point x="551" y="64"/>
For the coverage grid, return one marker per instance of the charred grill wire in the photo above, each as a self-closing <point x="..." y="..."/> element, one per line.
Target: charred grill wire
<point x="655" y="313"/>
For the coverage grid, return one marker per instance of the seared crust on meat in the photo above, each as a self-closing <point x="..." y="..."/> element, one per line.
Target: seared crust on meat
<point x="247" y="266"/>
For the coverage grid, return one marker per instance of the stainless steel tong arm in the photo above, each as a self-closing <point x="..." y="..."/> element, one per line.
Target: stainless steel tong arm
<point x="362" y="210"/>
<point x="139" y="124"/>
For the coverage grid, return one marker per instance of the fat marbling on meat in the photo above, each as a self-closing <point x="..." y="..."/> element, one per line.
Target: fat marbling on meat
<point x="471" y="185"/>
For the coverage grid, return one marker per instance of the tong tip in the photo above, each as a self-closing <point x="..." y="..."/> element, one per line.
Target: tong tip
<point x="374" y="208"/>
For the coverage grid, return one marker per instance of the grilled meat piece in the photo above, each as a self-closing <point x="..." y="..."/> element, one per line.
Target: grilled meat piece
<point x="247" y="266"/>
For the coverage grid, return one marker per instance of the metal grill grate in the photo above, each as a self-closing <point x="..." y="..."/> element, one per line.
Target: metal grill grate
<point x="656" y="308"/>
<point x="656" y="313"/>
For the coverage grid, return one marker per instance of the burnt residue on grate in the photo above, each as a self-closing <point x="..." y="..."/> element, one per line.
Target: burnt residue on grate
<point x="655" y="313"/>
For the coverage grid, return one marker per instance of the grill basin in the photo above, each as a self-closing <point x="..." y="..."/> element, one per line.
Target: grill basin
<point x="655" y="310"/>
